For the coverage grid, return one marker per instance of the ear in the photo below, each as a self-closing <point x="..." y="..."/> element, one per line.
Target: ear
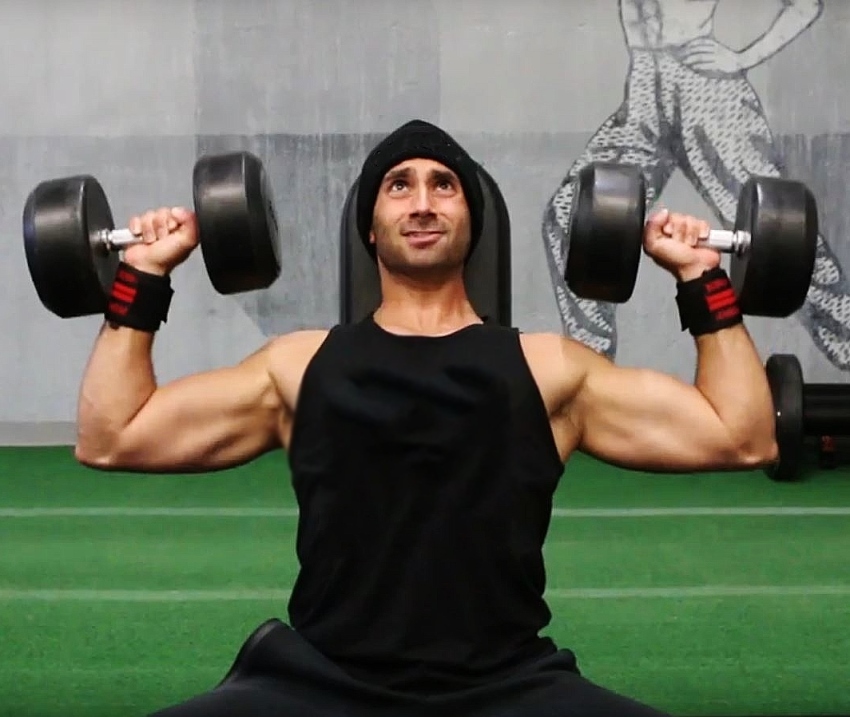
<point x="371" y="237"/>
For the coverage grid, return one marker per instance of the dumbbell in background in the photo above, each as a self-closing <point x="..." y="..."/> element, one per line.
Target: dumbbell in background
<point x="804" y="410"/>
<point x="772" y="247"/>
<point x="73" y="248"/>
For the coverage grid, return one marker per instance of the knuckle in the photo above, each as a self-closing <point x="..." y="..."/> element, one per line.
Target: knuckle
<point x="148" y="227"/>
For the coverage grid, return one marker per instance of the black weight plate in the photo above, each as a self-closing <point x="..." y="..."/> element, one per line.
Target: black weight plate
<point x="606" y="232"/>
<point x="773" y="277"/>
<point x="71" y="270"/>
<point x="237" y="222"/>
<point x="785" y="376"/>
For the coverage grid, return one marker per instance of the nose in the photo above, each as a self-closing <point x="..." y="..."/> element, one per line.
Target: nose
<point x="421" y="199"/>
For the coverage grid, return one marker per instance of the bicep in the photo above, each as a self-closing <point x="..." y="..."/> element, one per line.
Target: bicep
<point x="647" y="420"/>
<point x="205" y="421"/>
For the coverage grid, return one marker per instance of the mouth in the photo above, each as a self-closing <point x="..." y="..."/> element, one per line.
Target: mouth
<point x="422" y="238"/>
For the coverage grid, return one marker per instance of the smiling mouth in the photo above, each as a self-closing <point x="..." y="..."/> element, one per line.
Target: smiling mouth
<point x="423" y="233"/>
<point x="422" y="237"/>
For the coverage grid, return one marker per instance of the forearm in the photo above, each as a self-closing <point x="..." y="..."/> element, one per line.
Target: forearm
<point x="731" y="376"/>
<point x="791" y="21"/>
<point x="118" y="381"/>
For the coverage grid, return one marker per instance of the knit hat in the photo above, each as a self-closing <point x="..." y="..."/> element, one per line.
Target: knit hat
<point x="420" y="140"/>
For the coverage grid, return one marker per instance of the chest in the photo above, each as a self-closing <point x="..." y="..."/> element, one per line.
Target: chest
<point x="423" y="400"/>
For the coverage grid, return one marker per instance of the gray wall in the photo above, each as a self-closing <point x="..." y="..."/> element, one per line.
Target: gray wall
<point x="134" y="91"/>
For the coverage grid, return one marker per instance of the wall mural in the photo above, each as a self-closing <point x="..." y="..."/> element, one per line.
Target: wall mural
<point x="688" y="105"/>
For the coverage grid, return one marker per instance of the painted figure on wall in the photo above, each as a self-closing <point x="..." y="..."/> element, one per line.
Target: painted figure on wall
<point x="689" y="106"/>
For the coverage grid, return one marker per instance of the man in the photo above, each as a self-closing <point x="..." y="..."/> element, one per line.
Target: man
<point x="688" y="105"/>
<point x="425" y="446"/>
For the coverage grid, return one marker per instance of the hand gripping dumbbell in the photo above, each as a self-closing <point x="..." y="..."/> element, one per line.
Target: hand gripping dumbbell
<point x="772" y="246"/>
<point x="802" y="410"/>
<point x="73" y="248"/>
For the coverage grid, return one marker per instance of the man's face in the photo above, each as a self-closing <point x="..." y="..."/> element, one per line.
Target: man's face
<point x="421" y="224"/>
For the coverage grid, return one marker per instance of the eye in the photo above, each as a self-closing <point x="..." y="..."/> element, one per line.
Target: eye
<point x="397" y="185"/>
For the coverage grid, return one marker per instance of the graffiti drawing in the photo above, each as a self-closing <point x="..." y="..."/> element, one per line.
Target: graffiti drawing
<point x="688" y="105"/>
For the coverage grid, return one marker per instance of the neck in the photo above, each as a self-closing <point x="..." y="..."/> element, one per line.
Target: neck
<point x="424" y="308"/>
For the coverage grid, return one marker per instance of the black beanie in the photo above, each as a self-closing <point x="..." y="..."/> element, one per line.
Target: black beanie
<point x="420" y="140"/>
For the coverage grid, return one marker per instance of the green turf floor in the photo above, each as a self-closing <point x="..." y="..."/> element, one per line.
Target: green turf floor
<point x="106" y="611"/>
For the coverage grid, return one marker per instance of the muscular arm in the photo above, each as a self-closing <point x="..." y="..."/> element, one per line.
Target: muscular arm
<point x="647" y="420"/>
<point x="795" y="17"/>
<point x="205" y="421"/>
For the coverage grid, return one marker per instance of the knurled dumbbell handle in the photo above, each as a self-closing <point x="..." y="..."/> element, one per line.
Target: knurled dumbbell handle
<point x="728" y="242"/>
<point x="117" y="239"/>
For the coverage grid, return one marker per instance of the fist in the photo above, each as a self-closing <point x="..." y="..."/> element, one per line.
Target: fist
<point x="671" y="241"/>
<point x="169" y="236"/>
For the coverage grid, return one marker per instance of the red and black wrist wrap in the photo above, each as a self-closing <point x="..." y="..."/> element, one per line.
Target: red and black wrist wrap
<point x="708" y="303"/>
<point x="138" y="300"/>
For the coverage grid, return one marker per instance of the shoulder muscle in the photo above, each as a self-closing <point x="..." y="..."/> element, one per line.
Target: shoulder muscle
<point x="289" y="356"/>
<point x="559" y="366"/>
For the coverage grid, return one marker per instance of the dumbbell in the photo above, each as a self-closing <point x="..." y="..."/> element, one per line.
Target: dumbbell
<point x="73" y="248"/>
<point x="802" y="410"/>
<point x="772" y="246"/>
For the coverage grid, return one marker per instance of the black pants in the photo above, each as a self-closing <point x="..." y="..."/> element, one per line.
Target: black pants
<point x="277" y="674"/>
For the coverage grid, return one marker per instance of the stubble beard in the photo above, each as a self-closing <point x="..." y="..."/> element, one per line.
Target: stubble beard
<point x="433" y="264"/>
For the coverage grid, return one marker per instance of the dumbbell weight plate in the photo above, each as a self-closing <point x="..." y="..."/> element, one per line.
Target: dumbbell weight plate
<point x="70" y="270"/>
<point x="772" y="278"/>
<point x="785" y="377"/>
<point x="237" y="222"/>
<point x="606" y="232"/>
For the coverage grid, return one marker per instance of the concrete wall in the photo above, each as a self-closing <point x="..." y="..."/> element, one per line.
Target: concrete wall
<point x="133" y="92"/>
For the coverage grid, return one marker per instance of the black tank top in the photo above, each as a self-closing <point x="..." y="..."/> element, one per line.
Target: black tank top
<point x="424" y="469"/>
